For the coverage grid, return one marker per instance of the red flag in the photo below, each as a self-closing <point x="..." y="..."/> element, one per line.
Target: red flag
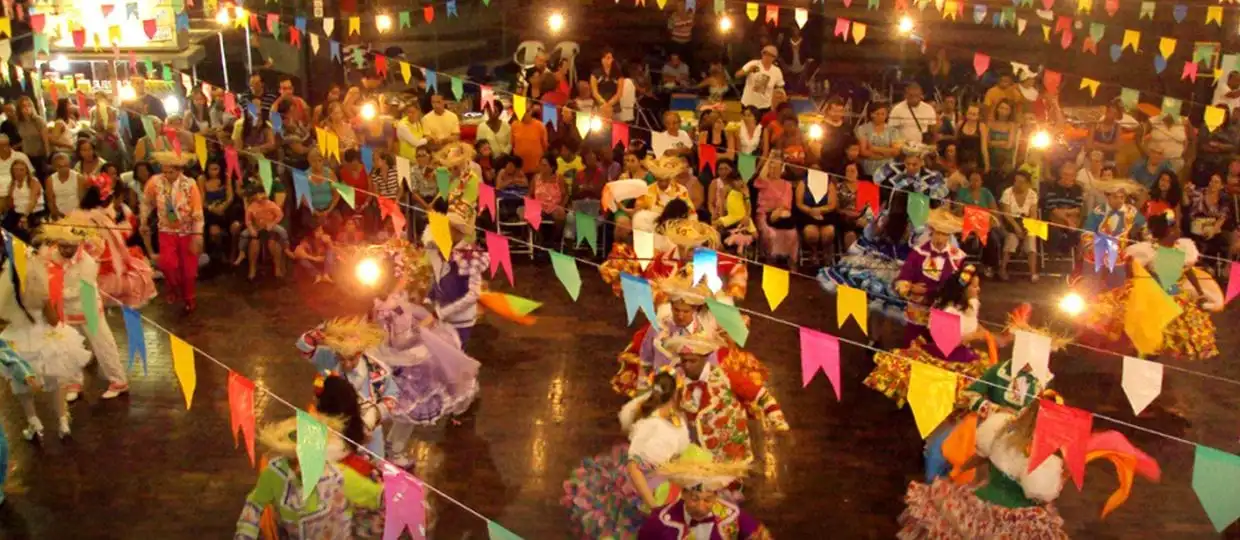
<point x="381" y="65"/>
<point x="149" y="27"/>
<point x="172" y="135"/>
<point x="37" y="22"/>
<point x="254" y="22"/>
<point x="867" y="195"/>
<point x="53" y="94"/>
<point x="1112" y="7"/>
<point x="106" y="9"/>
<point x="486" y="199"/>
<point x="619" y="134"/>
<point x="1066" y="39"/>
<point x="428" y="12"/>
<point x="1089" y="45"/>
<point x="1051" y="80"/>
<point x="230" y="103"/>
<point x="981" y="63"/>
<point x="81" y="99"/>
<point x="1061" y="426"/>
<point x="231" y="163"/>
<point x="389" y="208"/>
<point x="707" y="155"/>
<point x="56" y="288"/>
<point x="1063" y="24"/>
<point x="241" y="410"/>
<point x="976" y="219"/>
<point x="294" y="36"/>
<point x="273" y="20"/>
<point x="772" y="14"/>
<point x="79" y="38"/>
<point x="500" y="255"/>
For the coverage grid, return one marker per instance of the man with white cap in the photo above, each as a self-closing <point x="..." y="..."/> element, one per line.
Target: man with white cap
<point x="179" y="204"/>
<point x="7" y="156"/>
<point x="762" y="77"/>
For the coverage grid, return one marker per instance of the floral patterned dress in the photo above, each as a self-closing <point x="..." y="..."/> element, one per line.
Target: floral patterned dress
<point x="716" y="416"/>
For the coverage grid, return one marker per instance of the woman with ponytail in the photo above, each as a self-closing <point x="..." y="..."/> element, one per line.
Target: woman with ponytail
<point x="609" y="495"/>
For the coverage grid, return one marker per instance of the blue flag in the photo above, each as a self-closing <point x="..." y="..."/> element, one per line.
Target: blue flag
<point x="637" y="295"/>
<point x="133" y="335"/>
<point x="706" y="266"/>
<point x="182" y="21"/>
<point x="301" y="187"/>
<point x="550" y="116"/>
<point x="300" y="23"/>
<point x="368" y="158"/>
<point x="335" y="50"/>
<point x="432" y="81"/>
<point x="277" y="123"/>
<point x="451" y="8"/>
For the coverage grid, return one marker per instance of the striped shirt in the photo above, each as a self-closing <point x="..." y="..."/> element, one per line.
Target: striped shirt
<point x="681" y="26"/>
<point x="387" y="185"/>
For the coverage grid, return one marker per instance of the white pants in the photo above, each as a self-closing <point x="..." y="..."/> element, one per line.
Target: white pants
<point x="103" y="345"/>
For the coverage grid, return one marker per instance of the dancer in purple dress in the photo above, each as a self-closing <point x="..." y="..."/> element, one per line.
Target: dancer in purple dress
<point x="928" y="266"/>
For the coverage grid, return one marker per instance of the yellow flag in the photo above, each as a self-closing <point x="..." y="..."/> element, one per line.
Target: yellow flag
<point x="1036" y="227"/>
<point x="1166" y="47"/>
<point x="183" y="366"/>
<point x="1046" y="33"/>
<point x="1214" y="117"/>
<point x="405" y="71"/>
<point x="751" y="11"/>
<point x="1132" y="38"/>
<point x="1091" y="84"/>
<point x="518" y="106"/>
<point x="114" y="34"/>
<point x="441" y="233"/>
<point x="1214" y="14"/>
<point x="321" y="136"/>
<point x="949" y="10"/>
<point x="1148" y="312"/>
<point x="662" y="3"/>
<point x="931" y="395"/>
<point x="1084" y="6"/>
<point x="858" y="32"/>
<point x="774" y="285"/>
<point x="20" y="253"/>
<point x="242" y="19"/>
<point x="355" y="25"/>
<point x="333" y="145"/>
<point x="6" y="26"/>
<point x="200" y="148"/>
<point x="850" y="302"/>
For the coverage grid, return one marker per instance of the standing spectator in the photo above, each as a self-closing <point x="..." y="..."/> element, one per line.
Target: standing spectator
<point x="495" y="130"/>
<point x="354" y="173"/>
<point x="1104" y="135"/>
<point x="176" y="200"/>
<point x="88" y="161"/>
<point x="1006" y="90"/>
<point x="1018" y="202"/>
<point x="796" y="56"/>
<point x="8" y="126"/>
<point x="63" y="133"/>
<point x="288" y="94"/>
<point x="533" y="74"/>
<point x="65" y="187"/>
<point x="916" y="119"/>
<point x="835" y="137"/>
<point x="33" y="131"/>
<point x="1212" y="215"/>
<point x="106" y="125"/>
<point x="198" y="115"/>
<point x="680" y="24"/>
<point x="1166" y="195"/>
<point x="24" y="208"/>
<point x="7" y="156"/>
<point x="257" y="136"/>
<point x="749" y="134"/>
<point x="322" y="110"/>
<point x="675" y="73"/>
<point x="999" y="138"/>
<point x="762" y="78"/>
<point x="529" y="139"/>
<point x="1169" y="137"/>
<point x="1147" y="170"/>
<point x="143" y="104"/>
<point x="949" y="122"/>
<point x="880" y="142"/>
<point x="259" y="96"/>
<point x="1219" y="148"/>
<point x="441" y="126"/>
<point x="605" y="85"/>
<point x="410" y="133"/>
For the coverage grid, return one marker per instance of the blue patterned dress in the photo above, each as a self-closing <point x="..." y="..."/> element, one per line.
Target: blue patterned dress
<point x="17" y="369"/>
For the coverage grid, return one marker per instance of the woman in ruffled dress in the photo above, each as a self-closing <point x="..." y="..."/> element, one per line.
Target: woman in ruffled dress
<point x="1014" y="500"/>
<point x="125" y="274"/>
<point x="1190" y="336"/>
<point x="610" y="494"/>
<point x="961" y="296"/>
<point x="56" y="354"/>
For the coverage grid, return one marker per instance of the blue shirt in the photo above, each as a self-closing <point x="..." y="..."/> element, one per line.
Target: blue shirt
<point x="1141" y="174"/>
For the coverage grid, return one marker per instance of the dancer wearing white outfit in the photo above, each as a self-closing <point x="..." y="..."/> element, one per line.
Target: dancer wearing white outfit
<point x="65" y="259"/>
<point x="56" y="353"/>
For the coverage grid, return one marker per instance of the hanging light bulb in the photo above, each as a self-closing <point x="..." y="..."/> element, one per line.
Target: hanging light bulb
<point x="906" y="24"/>
<point x="368" y="111"/>
<point x="60" y="63"/>
<point x="1072" y="304"/>
<point x="127" y="93"/>
<point x="383" y="22"/>
<point x="725" y="24"/>
<point x="1041" y="140"/>
<point x="815" y="132"/>
<point x="172" y="105"/>
<point x="555" y="22"/>
<point x="368" y="272"/>
<point x="221" y="16"/>
<point x="596" y="124"/>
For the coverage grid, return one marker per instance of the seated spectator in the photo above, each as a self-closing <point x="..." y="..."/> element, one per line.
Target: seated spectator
<point x="353" y="173"/>
<point x="975" y="193"/>
<point x="1212" y="214"/>
<point x="1165" y="195"/>
<point x="315" y="254"/>
<point x="484" y="161"/>
<point x="736" y="222"/>
<point x="1220" y="146"/>
<point x="912" y="175"/>
<point x="583" y="97"/>
<point x="850" y="221"/>
<point x="1062" y="204"/>
<point x="510" y="175"/>
<point x="587" y="191"/>
<point x="548" y="189"/>
<point x="1170" y="137"/>
<point x="672" y="141"/>
<point x="568" y="164"/>
<point x="816" y="217"/>
<point x="554" y="89"/>
<point x="716" y="85"/>
<point x="440" y="126"/>
<point x="776" y="225"/>
<point x="675" y="72"/>
<point x="1150" y="168"/>
<point x="1018" y="202"/>
<point x="262" y="223"/>
<point x="495" y="130"/>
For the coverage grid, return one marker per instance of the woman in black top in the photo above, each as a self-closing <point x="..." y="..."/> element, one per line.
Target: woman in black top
<point x="605" y="82"/>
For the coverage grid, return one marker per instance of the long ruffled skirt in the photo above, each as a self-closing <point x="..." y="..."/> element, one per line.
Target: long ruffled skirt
<point x="944" y="510"/>
<point x="135" y="287"/>
<point x="892" y="369"/>
<point x="426" y="398"/>
<point x="601" y="499"/>
<point x="1189" y="337"/>
<point x="56" y="353"/>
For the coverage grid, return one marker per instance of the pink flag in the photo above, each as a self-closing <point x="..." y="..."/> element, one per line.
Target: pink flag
<point x="945" y="330"/>
<point x="79" y="38"/>
<point x="981" y="63"/>
<point x="405" y="500"/>
<point x="1233" y="282"/>
<point x="149" y="27"/>
<point x="841" y="28"/>
<point x="241" y="410"/>
<point x="1047" y="4"/>
<point x="847" y="3"/>
<point x="820" y="351"/>
<point x="172" y="135"/>
<point x="1190" y="71"/>
<point x="273" y="19"/>
<point x="533" y="212"/>
<point x="488" y="95"/>
<point x="389" y="208"/>
<point x="501" y="256"/>
<point x="37" y="22"/>
<point x="486" y="199"/>
<point x="231" y="163"/>
<point x="105" y="9"/>
<point x="619" y="134"/>
<point x="230" y="102"/>
<point x="1061" y="426"/>
<point x="1112" y="6"/>
<point x="707" y="154"/>
<point x="976" y="220"/>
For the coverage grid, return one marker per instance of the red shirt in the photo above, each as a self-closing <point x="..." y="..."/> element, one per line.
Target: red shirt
<point x="360" y="182"/>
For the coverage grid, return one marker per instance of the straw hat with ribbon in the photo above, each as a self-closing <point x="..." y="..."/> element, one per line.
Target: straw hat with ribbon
<point x="454" y="155"/>
<point x="690" y="233"/>
<point x="1117" y="184"/>
<point x="700" y="343"/>
<point x="666" y="166"/>
<point x="74" y="228"/>
<point x="696" y="469"/>
<point x="350" y="336"/>
<point x="165" y="159"/>
<point x="943" y="220"/>
<point x="680" y="288"/>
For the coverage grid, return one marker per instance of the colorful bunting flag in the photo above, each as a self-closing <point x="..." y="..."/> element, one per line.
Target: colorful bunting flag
<point x="133" y="336"/>
<point x="311" y="450"/>
<point x="1215" y="477"/>
<point x="851" y="303"/>
<point x="637" y="295"/>
<point x="1036" y="227"/>
<point x="976" y="220"/>
<point x="404" y="500"/>
<point x="774" y="285"/>
<point x="183" y="366"/>
<point x="945" y="330"/>
<point x="587" y="230"/>
<point x="1148" y="312"/>
<point x="241" y="410"/>
<point x="90" y="306"/>
<point x="500" y="254"/>
<point x="729" y="318"/>
<point x="566" y="270"/>
<point x="820" y="351"/>
<point x="1061" y="427"/>
<point x="1142" y="382"/>
<point x="931" y="395"/>
<point x="441" y="232"/>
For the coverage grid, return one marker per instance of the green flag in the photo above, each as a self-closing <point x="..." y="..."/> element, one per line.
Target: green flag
<point x="1215" y="477"/>
<point x="167" y="72"/>
<point x="443" y="181"/>
<point x="746" y="164"/>
<point x="346" y="192"/>
<point x="495" y="530"/>
<point x="264" y="172"/>
<point x="918" y="209"/>
<point x="471" y="190"/>
<point x="403" y="20"/>
<point x="90" y="306"/>
<point x="311" y="450"/>
<point x="730" y="319"/>
<point x="587" y="230"/>
<point x="1171" y="106"/>
<point x="458" y="88"/>
<point x="1168" y="266"/>
<point x="1129" y="97"/>
<point x="566" y="271"/>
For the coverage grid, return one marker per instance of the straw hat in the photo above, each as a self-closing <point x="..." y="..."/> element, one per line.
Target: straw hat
<point x="1117" y="184"/>
<point x="349" y="336"/>
<point x="454" y="155"/>
<point x="697" y="469"/>
<point x="680" y="288"/>
<point x="74" y="228"/>
<point x="943" y="220"/>
<point x="280" y="438"/>
<point x="689" y="233"/>
<point x="166" y="159"/>
<point x="700" y="343"/>
<point x="666" y="166"/>
<point x="410" y="265"/>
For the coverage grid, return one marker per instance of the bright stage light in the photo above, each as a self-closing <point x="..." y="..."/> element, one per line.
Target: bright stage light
<point x="596" y="124"/>
<point x="127" y="93"/>
<point x="368" y="111"/>
<point x="60" y="63"/>
<point x="1072" y="304"/>
<point x="1041" y="140"/>
<point x="368" y="272"/>
<point x="725" y="24"/>
<point x="221" y="16"/>
<point x="172" y="105"/>
<point x="906" y="24"/>
<point x="555" y="22"/>
<point x="815" y="132"/>
<point x="383" y="23"/>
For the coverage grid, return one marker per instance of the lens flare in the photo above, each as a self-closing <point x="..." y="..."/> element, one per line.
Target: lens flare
<point x="1072" y="304"/>
<point x="368" y="272"/>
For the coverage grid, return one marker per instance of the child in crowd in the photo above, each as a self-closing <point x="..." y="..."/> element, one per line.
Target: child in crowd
<point x="568" y="164"/>
<point x="315" y="254"/>
<point x="351" y="233"/>
<point x="736" y="224"/>
<point x="262" y="220"/>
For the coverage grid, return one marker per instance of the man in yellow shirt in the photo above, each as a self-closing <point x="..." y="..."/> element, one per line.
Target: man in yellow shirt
<point x="440" y="126"/>
<point x="1006" y="89"/>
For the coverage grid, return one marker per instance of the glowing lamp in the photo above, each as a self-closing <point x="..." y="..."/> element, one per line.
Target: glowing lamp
<point x="725" y="24"/>
<point x="221" y="16"/>
<point x="368" y="272"/>
<point x="172" y="105"/>
<point x="368" y="111"/>
<point x="555" y="22"/>
<point x="383" y="23"/>
<point x="60" y="63"/>
<point x="906" y="24"/>
<point x="1072" y="304"/>
<point x="596" y="124"/>
<point x="1041" y="140"/>
<point x="815" y="132"/>
<point x="127" y="93"/>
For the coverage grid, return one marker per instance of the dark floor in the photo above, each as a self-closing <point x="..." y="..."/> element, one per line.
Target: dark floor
<point x="145" y="468"/>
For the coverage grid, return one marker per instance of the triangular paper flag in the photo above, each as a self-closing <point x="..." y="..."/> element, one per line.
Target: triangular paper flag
<point x="820" y="351"/>
<point x="772" y="14"/>
<point x="637" y="295"/>
<point x="729" y="318"/>
<point x="981" y="63"/>
<point x="497" y="532"/>
<point x="1060" y="426"/>
<point x="1168" y="266"/>
<point x="1233" y="282"/>
<point x="1190" y="71"/>
<point x="1132" y="38"/>
<point x="1215" y="477"/>
<point x="1214" y="117"/>
<point x="1214" y="14"/>
<point x="133" y="336"/>
<point x="819" y="185"/>
<point x="801" y="15"/>
<point x="1033" y="350"/>
<point x="1147" y="11"/>
<point x="851" y="303"/>
<point x="746" y="165"/>
<point x="858" y="32"/>
<point x="1171" y="107"/>
<point x="1148" y="312"/>
<point x="241" y="411"/>
<point x="945" y="330"/>
<point x="183" y="366"/>
<point x="1129" y="97"/>
<point x="931" y="395"/>
<point x="311" y="450"/>
<point x="566" y="270"/>
<point x="441" y="232"/>
<point x="1036" y="227"/>
<point x="500" y="254"/>
<point x="751" y="11"/>
<point x="1142" y="382"/>
<point x="1091" y="84"/>
<point x="976" y="220"/>
<point x="533" y="213"/>
<point x="1166" y="47"/>
<point x="918" y="208"/>
<point x="643" y="247"/>
<point x="774" y="285"/>
<point x="1160" y="64"/>
<point x="90" y="306"/>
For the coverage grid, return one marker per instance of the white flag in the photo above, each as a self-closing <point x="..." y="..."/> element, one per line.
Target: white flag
<point x="1142" y="382"/>
<point x="818" y="183"/>
<point x="643" y="246"/>
<point x="1033" y="350"/>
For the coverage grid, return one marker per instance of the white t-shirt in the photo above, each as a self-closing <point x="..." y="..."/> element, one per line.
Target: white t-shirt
<point x="761" y="85"/>
<point x="902" y="117"/>
<point x="1008" y="200"/>
<point x="6" y="170"/>
<point x="662" y="141"/>
<point x="441" y="126"/>
<point x="1171" y="140"/>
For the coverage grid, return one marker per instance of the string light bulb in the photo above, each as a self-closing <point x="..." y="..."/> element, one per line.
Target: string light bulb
<point x="172" y="105"/>
<point x="555" y="22"/>
<point x="906" y="24"/>
<point x="368" y="272"/>
<point x="60" y="63"/>
<point x="725" y="24"/>
<point x="383" y="22"/>
<point x="1072" y="304"/>
<point x="221" y="16"/>
<point x="368" y="111"/>
<point x="596" y="124"/>
<point x="127" y="93"/>
<point x="815" y="132"/>
<point x="1041" y="140"/>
